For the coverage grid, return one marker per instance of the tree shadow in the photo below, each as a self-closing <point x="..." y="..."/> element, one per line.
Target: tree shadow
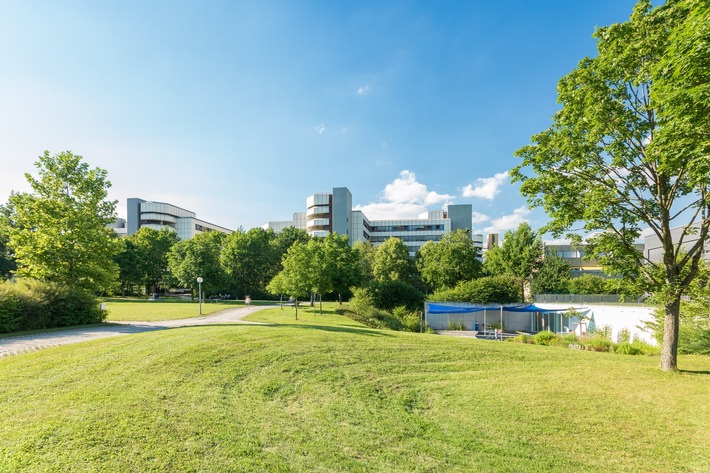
<point x="694" y="372"/>
<point x="326" y="328"/>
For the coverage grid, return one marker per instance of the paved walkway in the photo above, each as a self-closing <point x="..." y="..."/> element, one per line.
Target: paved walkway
<point x="25" y="343"/>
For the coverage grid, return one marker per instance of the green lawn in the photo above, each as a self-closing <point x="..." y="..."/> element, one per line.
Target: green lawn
<point x="144" y="310"/>
<point x="327" y="394"/>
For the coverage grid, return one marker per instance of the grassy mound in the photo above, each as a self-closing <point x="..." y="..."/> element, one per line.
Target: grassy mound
<point x="324" y="393"/>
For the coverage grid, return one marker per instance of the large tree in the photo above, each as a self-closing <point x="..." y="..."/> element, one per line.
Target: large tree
<point x="199" y="257"/>
<point x="444" y="264"/>
<point x="342" y="264"/>
<point x="520" y="255"/>
<point x="392" y="262"/>
<point x="58" y="231"/>
<point x="249" y="258"/>
<point x="629" y="149"/>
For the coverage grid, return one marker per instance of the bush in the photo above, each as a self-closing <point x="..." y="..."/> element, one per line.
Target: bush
<point x="498" y="289"/>
<point x="388" y="295"/>
<point x="362" y="310"/>
<point x="28" y="305"/>
<point x="626" y="348"/>
<point x="599" y="344"/>
<point x="456" y="326"/>
<point x="566" y="340"/>
<point x="522" y="338"/>
<point x="411" y="321"/>
<point x="545" y="338"/>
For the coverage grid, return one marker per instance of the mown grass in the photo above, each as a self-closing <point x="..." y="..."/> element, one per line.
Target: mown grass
<point x="136" y="310"/>
<point x="326" y="394"/>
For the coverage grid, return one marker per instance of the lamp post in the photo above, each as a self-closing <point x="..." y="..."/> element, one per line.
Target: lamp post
<point x="199" y="290"/>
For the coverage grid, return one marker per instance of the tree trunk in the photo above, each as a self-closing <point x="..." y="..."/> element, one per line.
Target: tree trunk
<point x="669" y="352"/>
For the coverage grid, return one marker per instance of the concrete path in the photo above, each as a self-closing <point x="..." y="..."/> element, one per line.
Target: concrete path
<point x="25" y="343"/>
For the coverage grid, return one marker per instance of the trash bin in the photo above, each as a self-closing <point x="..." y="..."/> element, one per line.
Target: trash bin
<point x="475" y="326"/>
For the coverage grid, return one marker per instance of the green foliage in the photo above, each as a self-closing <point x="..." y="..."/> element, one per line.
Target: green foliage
<point x="545" y="337"/>
<point x="29" y="304"/>
<point x="599" y="343"/>
<point x="249" y="260"/>
<point x="552" y="277"/>
<point x="456" y="325"/>
<point x="199" y="257"/>
<point x="58" y="232"/>
<point x="624" y="336"/>
<point x="587" y="284"/>
<point x="411" y="320"/>
<point x="342" y="264"/>
<point x="520" y="254"/>
<point x="388" y="295"/>
<point x="7" y="256"/>
<point x="493" y="289"/>
<point x="522" y="338"/>
<point x="626" y="348"/>
<point x="454" y="259"/>
<point x="618" y="161"/>
<point x="143" y="259"/>
<point x="392" y="262"/>
<point x="363" y="310"/>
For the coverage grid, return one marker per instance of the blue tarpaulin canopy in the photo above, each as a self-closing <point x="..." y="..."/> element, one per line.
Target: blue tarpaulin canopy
<point x="449" y="309"/>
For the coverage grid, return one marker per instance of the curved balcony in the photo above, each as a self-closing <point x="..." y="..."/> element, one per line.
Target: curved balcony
<point x="318" y="211"/>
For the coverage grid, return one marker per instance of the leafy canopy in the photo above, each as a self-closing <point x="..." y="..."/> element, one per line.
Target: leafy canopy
<point x="58" y="232"/>
<point x="629" y="149"/>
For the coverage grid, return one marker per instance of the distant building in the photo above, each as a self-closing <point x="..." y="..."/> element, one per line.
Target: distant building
<point x="574" y="256"/>
<point x="119" y="226"/>
<point x="159" y="215"/>
<point x="333" y="213"/>
<point x="492" y="241"/>
<point x="653" y="250"/>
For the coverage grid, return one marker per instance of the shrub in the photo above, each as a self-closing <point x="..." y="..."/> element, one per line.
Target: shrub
<point x="545" y="337"/>
<point x="566" y="340"/>
<point x="29" y="304"/>
<point x="624" y="336"/>
<point x="499" y="289"/>
<point x="599" y="343"/>
<point x="411" y="321"/>
<point x="522" y="338"/>
<point x="626" y="348"/>
<point x="388" y="295"/>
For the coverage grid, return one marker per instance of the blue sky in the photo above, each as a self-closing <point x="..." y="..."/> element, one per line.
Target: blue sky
<point x="238" y="110"/>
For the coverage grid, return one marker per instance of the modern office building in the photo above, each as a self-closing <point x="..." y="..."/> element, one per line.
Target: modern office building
<point x="333" y="213"/>
<point x="159" y="215"/>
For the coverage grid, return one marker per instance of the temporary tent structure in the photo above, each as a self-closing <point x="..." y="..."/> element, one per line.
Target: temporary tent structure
<point x="515" y="317"/>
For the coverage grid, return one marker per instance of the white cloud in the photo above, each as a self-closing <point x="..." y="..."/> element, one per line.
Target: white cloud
<point x="508" y="222"/>
<point x="404" y="198"/>
<point x="363" y="90"/>
<point x="478" y="217"/>
<point x="486" y="187"/>
<point x="320" y="129"/>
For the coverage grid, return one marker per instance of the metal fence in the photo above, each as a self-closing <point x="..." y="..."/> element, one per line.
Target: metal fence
<point x="587" y="299"/>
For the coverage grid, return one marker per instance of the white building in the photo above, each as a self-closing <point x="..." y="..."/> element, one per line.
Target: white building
<point x="159" y="215"/>
<point x="333" y="213"/>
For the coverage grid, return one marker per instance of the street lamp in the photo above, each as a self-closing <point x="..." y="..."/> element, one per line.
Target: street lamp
<point x="199" y="290"/>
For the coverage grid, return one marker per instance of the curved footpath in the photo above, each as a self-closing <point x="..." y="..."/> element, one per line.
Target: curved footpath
<point x="25" y="343"/>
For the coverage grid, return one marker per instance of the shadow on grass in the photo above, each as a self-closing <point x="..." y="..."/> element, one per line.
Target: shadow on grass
<point x="369" y="332"/>
<point x="694" y="372"/>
